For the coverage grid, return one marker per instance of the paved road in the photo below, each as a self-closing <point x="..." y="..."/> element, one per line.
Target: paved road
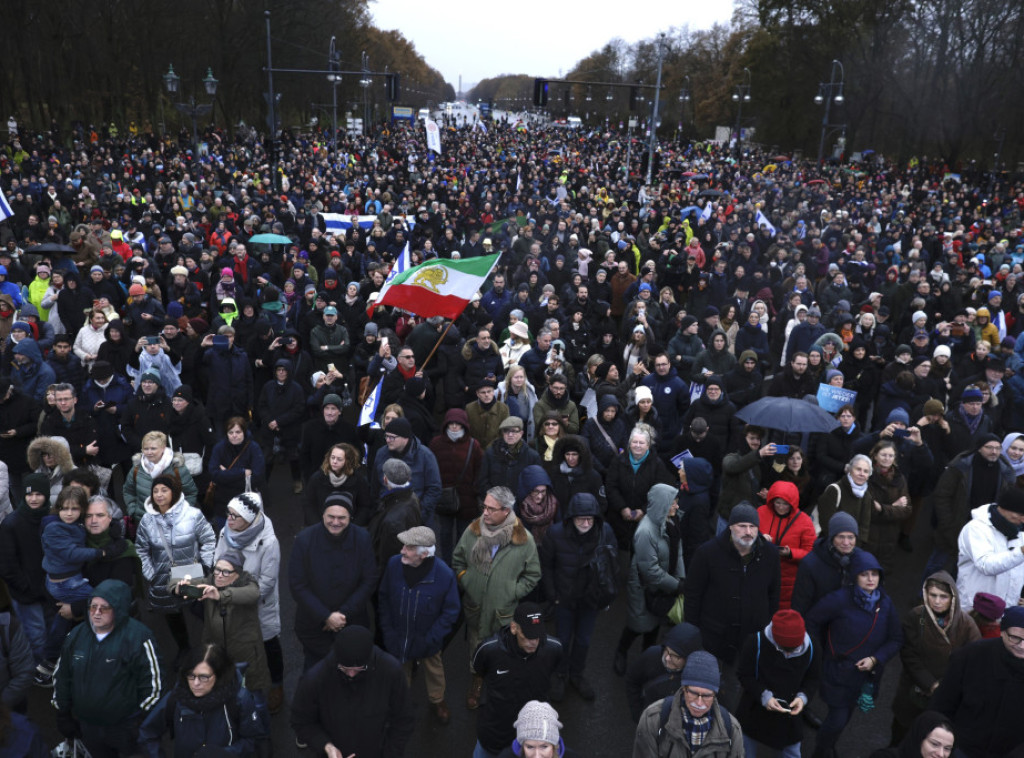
<point x="601" y="729"/>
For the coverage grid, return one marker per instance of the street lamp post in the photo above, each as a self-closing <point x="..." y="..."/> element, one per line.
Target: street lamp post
<point x="684" y="98"/>
<point x="829" y="92"/>
<point x="365" y="84"/>
<point x="741" y="95"/>
<point x="654" y="111"/>
<point x="192" y="108"/>
<point x="334" y="66"/>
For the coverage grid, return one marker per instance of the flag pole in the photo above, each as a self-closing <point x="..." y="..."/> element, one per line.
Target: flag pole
<point x="436" y="346"/>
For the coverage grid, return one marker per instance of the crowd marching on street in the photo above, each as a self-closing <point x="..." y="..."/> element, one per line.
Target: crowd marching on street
<point x="506" y="383"/>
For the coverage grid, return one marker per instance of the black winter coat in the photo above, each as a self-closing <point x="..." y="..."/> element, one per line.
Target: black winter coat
<point x="819" y="573"/>
<point x="21" y="555"/>
<point x="285" y="404"/>
<point x="565" y="553"/>
<point x="728" y="600"/>
<point x="501" y="469"/>
<point x="143" y="414"/>
<point x="316" y="438"/>
<point x="20" y="413"/>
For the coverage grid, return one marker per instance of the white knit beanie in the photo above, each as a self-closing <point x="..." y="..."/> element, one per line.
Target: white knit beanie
<point x="537" y="721"/>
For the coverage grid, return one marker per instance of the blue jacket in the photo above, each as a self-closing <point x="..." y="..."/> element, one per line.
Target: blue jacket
<point x="671" y="397"/>
<point x="415" y="620"/>
<point x="34" y="378"/>
<point x="230" y="382"/>
<point x="108" y="425"/>
<point x="64" y="549"/>
<point x="425" y="476"/>
<point x="492" y="302"/>
<point x="847" y="633"/>
<point x="328" y="574"/>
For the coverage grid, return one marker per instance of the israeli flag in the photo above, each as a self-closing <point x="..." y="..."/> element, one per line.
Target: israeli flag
<point x="762" y="220"/>
<point x="706" y="213"/>
<point x="5" y="208"/>
<point x="369" y="410"/>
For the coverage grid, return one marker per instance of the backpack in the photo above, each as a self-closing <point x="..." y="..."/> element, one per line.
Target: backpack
<point x="601" y="587"/>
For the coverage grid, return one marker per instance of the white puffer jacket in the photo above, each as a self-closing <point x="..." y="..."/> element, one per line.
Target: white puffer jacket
<point x="988" y="561"/>
<point x="261" y="559"/>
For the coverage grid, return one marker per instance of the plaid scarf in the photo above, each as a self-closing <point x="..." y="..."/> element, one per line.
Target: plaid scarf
<point x="696" y="729"/>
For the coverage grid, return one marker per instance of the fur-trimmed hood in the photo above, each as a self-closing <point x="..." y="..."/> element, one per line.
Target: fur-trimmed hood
<point x="519" y="533"/>
<point x="58" y="446"/>
<point x="469" y="346"/>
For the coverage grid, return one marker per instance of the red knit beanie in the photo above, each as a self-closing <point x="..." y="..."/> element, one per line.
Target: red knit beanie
<point x="788" y="628"/>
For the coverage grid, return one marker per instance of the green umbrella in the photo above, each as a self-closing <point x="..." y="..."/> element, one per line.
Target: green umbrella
<point x="271" y="239"/>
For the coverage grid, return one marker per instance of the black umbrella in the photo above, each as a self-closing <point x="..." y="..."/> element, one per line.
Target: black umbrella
<point x="710" y="193"/>
<point x="787" y="415"/>
<point x="50" y="247"/>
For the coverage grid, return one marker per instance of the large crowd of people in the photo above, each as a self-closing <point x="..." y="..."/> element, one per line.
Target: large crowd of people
<point x="574" y="435"/>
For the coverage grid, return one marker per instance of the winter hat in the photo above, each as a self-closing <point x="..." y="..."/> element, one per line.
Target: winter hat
<point x="985" y="439"/>
<point x="701" y="670"/>
<point x="96" y="268"/>
<point x="748" y="355"/>
<point x="512" y="422"/>
<point x="918" y="315"/>
<point x="714" y="380"/>
<point x="175" y="310"/>
<point x="899" y="416"/>
<point x="933" y="407"/>
<point x="353" y="646"/>
<point x="841" y="523"/>
<point x="643" y="393"/>
<point x="538" y="722"/>
<point x="601" y="372"/>
<point x="341" y="499"/>
<point x="710" y="311"/>
<point x="1011" y="499"/>
<point x="901" y="349"/>
<point x="371" y="329"/>
<point x="971" y="394"/>
<point x="179" y="271"/>
<point x="136" y="290"/>
<point x="332" y="399"/>
<point x="639" y="329"/>
<point x="990" y="606"/>
<point x="226" y="272"/>
<point x="520" y="330"/>
<point x="400" y="427"/>
<point x="743" y="513"/>
<point x="102" y="370"/>
<point x="247" y="505"/>
<point x="831" y="374"/>
<point x="683" y="639"/>
<point x="36" y="483"/>
<point x="235" y="559"/>
<point x="150" y="375"/>
<point x="1014" y="616"/>
<point x="686" y="323"/>
<point x="170" y="482"/>
<point x="788" y="628"/>
<point x="814" y="311"/>
<point x="23" y="326"/>
<point x="942" y="350"/>
<point x="184" y="392"/>
<point x="199" y="325"/>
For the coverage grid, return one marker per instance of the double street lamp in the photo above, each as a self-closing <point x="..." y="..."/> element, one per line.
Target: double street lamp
<point x="830" y="92"/>
<point x="741" y="95"/>
<point x="192" y="108"/>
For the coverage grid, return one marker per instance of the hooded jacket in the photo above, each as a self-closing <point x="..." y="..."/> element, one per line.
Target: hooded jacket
<point x="566" y="481"/>
<point x="795" y="531"/>
<point x="58" y="448"/>
<point x="111" y="681"/>
<point x="649" y="568"/>
<point x="565" y="553"/>
<point x="36" y="376"/>
<point x="927" y="648"/>
<point x="284" y="403"/>
<point x="647" y="679"/>
<point x="603" y="451"/>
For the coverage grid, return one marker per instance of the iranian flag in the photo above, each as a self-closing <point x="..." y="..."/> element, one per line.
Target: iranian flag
<point x="439" y="287"/>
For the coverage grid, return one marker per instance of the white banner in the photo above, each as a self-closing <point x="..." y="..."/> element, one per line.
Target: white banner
<point x="433" y="135"/>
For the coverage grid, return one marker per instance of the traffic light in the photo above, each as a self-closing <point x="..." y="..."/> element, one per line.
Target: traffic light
<point x="633" y="94"/>
<point x="393" y="87"/>
<point x="540" y="92"/>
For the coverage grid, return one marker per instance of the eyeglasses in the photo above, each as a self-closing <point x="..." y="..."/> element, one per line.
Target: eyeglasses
<point x="1013" y="639"/>
<point x="223" y="572"/>
<point x="706" y="697"/>
<point x="100" y="608"/>
<point x="233" y="515"/>
<point x="204" y="678"/>
<point x="493" y="509"/>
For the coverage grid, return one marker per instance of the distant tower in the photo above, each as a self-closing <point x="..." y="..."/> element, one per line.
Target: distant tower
<point x="460" y="85"/>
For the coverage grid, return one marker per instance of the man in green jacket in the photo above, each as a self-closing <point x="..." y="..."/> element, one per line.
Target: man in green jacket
<point x="497" y="565"/>
<point x="108" y="675"/>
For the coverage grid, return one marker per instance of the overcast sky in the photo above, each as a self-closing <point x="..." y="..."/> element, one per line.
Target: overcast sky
<point x="534" y="37"/>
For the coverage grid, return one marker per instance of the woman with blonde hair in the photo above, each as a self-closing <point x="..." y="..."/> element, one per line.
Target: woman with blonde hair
<point x="518" y="394"/>
<point x="155" y="458"/>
